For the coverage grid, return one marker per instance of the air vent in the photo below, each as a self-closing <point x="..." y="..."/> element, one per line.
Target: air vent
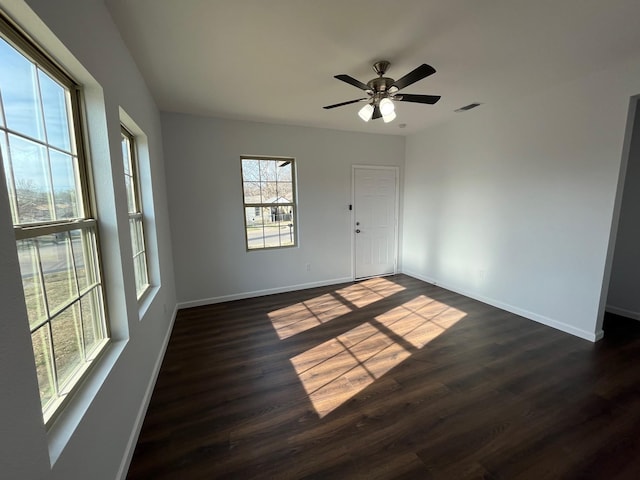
<point x="468" y="107"/>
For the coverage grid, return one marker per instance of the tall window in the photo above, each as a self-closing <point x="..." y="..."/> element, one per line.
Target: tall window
<point x="268" y="186"/>
<point x="135" y="212"/>
<point x="55" y="229"/>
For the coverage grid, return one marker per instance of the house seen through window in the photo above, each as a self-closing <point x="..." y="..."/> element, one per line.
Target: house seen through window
<point x="268" y="186"/>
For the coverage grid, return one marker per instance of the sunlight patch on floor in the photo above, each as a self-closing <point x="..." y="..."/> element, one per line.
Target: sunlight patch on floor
<point x="303" y="316"/>
<point x="420" y="321"/>
<point x="369" y="291"/>
<point x="297" y="318"/>
<point x="336" y="370"/>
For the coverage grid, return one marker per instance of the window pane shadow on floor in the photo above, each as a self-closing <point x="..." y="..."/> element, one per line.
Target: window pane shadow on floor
<point x="387" y="378"/>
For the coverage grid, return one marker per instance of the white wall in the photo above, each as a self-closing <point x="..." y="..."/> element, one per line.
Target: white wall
<point x="91" y="438"/>
<point x="624" y="289"/>
<point x="205" y="192"/>
<point x="513" y="203"/>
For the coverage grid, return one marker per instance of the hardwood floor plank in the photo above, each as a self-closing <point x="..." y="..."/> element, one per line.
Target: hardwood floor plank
<point x="388" y="378"/>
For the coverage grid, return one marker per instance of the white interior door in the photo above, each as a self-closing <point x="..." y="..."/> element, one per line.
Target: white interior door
<point x="375" y="220"/>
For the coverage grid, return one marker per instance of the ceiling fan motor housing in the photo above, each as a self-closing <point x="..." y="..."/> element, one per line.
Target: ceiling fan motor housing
<point x="380" y="84"/>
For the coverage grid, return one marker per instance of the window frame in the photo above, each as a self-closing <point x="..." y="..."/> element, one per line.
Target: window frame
<point x="138" y="214"/>
<point x="261" y="205"/>
<point x="86" y="222"/>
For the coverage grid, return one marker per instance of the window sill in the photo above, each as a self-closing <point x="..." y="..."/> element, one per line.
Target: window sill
<point x="146" y="299"/>
<point x="69" y="418"/>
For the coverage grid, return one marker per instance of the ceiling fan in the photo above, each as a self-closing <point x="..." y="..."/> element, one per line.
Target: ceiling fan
<point x="383" y="91"/>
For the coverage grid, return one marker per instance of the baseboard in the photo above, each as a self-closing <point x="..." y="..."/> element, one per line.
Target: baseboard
<point x="564" y="327"/>
<point x="261" y="293"/>
<point x="135" y="433"/>
<point x="623" y="312"/>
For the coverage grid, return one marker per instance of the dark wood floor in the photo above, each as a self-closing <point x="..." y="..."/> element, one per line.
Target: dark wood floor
<point x="389" y="378"/>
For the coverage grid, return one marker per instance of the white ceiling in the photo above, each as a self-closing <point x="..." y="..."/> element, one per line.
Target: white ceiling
<point x="274" y="60"/>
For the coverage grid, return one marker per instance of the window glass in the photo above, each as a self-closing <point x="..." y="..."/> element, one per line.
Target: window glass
<point x="56" y="119"/>
<point x="65" y="185"/>
<point x="136" y="222"/>
<point x="20" y="92"/>
<point x="58" y="252"/>
<point x="269" y="202"/>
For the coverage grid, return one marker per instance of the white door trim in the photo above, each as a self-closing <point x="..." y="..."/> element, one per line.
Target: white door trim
<point x="353" y="210"/>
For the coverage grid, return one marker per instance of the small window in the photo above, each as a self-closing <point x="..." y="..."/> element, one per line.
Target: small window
<point x="269" y="192"/>
<point x="134" y="206"/>
<point x="54" y="223"/>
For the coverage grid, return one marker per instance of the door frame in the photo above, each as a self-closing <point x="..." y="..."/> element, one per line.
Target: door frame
<point x="630" y="129"/>
<point x="352" y="223"/>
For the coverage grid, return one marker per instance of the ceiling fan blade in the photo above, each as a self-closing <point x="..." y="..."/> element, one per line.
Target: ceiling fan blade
<point x="352" y="81"/>
<point x="415" y="75"/>
<point x="376" y="112"/>
<point x="345" y="103"/>
<point x="430" y="99"/>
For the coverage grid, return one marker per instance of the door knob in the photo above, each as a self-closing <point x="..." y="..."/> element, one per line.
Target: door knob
<point x="358" y="230"/>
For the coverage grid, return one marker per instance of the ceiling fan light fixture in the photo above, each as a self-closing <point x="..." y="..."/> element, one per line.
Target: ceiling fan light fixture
<point x="386" y="107"/>
<point x="366" y="112"/>
<point x="389" y="117"/>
